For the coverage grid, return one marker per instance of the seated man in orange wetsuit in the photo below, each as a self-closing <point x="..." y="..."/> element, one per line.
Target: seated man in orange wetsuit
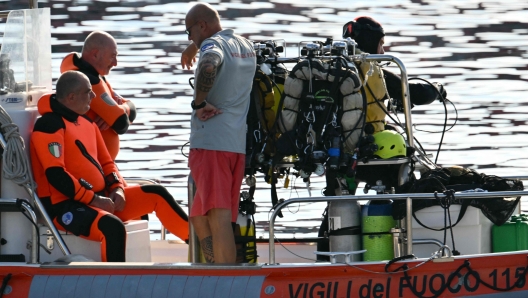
<point x="112" y="113"/>
<point x="78" y="181"/>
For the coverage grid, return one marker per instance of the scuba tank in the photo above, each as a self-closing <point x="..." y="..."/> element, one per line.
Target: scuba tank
<point x="344" y="228"/>
<point x="377" y="222"/>
<point x="279" y="77"/>
<point x="245" y="234"/>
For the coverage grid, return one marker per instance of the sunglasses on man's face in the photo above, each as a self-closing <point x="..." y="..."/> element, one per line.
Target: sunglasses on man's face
<point x="188" y="30"/>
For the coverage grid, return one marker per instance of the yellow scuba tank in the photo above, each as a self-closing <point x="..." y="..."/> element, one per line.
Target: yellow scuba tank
<point x="279" y="76"/>
<point x="266" y="98"/>
<point x="245" y="239"/>
<point x="245" y="234"/>
<point x="375" y="91"/>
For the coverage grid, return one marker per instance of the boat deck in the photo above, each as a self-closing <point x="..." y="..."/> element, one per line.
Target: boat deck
<point x="176" y="251"/>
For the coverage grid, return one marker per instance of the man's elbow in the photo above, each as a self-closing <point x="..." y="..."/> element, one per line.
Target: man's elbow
<point x="60" y="180"/>
<point x="131" y="111"/>
<point x="121" y="125"/>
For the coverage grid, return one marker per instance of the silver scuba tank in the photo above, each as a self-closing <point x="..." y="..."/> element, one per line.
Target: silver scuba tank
<point x="344" y="225"/>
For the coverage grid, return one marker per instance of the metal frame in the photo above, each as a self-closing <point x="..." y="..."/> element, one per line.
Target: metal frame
<point x="407" y="197"/>
<point x="410" y="139"/>
<point x="194" y="242"/>
<point x="33" y="257"/>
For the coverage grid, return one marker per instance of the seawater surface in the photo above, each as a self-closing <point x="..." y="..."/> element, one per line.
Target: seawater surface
<point x="477" y="49"/>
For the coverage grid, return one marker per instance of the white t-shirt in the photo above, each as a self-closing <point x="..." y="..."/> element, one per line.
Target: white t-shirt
<point x="230" y="93"/>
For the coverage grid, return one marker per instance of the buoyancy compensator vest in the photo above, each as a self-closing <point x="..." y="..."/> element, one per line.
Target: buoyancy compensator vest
<point x="322" y="111"/>
<point x="260" y="120"/>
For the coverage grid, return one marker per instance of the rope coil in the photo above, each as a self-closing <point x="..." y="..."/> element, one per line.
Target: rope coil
<point x="16" y="165"/>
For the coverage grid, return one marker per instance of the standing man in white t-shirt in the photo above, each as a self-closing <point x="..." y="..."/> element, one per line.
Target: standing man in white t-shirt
<point x="223" y="81"/>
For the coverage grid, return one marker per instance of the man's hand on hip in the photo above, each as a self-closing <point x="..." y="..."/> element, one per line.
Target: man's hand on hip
<point x="207" y="112"/>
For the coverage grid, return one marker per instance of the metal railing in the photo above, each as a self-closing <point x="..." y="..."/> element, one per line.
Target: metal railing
<point x="194" y="242"/>
<point x="408" y="217"/>
<point x="33" y="257"/>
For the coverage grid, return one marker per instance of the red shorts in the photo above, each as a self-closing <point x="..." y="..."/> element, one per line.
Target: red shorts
<point x="218" y="177"/>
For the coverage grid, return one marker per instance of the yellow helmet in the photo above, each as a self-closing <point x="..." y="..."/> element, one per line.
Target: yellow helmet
<point x="390" y="144"/>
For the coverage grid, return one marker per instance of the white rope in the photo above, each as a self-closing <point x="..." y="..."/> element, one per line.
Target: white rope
<point x="15" y="162"/>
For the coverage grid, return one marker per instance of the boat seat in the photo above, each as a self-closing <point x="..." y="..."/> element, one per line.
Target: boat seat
<point x="137" y="244"/>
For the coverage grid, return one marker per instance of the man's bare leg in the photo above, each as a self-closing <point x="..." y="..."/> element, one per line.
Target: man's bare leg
<point x="201" y="227"/>
<point x="216" y="235"/>
<point x="223" y="238"/>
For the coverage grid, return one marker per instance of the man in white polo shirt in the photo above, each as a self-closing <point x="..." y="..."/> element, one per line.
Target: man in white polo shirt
<point x="223" y="81"/>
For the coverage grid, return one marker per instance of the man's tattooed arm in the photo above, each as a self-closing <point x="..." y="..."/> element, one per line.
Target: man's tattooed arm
<point x="207" y="69"/>
<point x="205" y="78"/>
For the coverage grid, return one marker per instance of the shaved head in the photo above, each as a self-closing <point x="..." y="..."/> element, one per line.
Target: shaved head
<point x="201" y="22"/>
<point x="100" y="51"/>
<point x="97" y="40"/>
<point x="203" y="12"/>
<point x="69" y="82"/>
<point x="74" y="91"/>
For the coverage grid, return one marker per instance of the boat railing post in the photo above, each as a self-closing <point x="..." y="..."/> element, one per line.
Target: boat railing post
<point x="408" y="227"/>
<point x="194" y="243"/>
<point x="33" y="4"/>
<point x="396" y="233"/>
<point x="407" y="245"/>
<point x="35" y="245"/>
<point x="272" y="234"/>
<point x="163" y="233"/>
<point x="405" y="90"/>
<point x="49" y="223"/>
<point x="406" y="102"/>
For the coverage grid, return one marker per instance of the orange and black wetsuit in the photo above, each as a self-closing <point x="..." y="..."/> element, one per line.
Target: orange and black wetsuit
<point x="104" y="105"/>
<point x="71" y="165"/>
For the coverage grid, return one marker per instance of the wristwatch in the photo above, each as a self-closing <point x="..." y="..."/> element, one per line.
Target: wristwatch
<point x="197" y="107"/>
<point x="111" y="179"/>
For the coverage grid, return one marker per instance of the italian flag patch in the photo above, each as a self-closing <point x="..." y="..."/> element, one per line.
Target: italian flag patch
<point x="55" y="149"/>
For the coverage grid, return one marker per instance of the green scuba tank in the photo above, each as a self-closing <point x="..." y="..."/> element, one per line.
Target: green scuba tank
<point x="376" y="225"/>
